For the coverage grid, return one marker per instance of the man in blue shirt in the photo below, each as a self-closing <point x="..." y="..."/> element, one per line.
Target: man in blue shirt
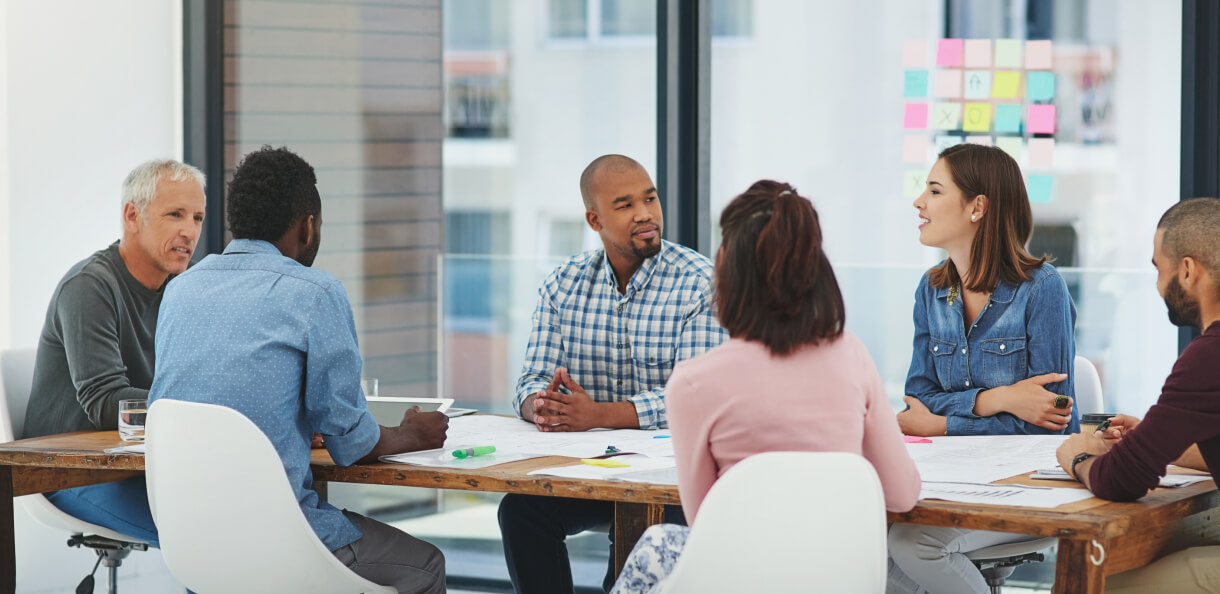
<point x="257" y="330"/>
<point x="609" y="326"/>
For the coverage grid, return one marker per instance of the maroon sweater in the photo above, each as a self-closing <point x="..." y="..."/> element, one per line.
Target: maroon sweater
<point x="1187" y="412"/>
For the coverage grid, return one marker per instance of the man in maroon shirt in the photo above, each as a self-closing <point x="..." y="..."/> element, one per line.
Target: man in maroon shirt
<point x="1183" y="427"/>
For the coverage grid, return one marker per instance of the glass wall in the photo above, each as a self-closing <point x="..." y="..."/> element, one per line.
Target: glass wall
<point x="819" y="95"/>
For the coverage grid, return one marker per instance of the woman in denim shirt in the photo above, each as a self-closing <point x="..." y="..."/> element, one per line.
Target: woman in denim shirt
<point x="993" y="343"/>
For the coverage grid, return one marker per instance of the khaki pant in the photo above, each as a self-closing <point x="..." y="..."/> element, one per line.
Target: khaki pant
<point x="1196" y="569"/>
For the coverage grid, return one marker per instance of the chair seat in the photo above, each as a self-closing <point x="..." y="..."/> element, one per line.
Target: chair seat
<point x="1011" y="549"/>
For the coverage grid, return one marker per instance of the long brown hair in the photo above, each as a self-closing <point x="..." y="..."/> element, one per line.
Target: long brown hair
<point x="998" y="250"/>
<point x="773" y="282"/>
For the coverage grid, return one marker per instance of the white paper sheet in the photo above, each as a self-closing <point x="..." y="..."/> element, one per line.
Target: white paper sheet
<point x="1169" y="480"/>
<point x="1014" y="495"/>
<point x="641" y="469"/>
<point x="985" y="458"/>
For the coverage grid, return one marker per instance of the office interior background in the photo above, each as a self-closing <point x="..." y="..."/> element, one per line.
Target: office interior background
<point x="448" y="137"/>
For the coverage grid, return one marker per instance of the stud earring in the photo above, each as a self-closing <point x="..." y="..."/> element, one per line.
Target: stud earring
<point x="972" y="219"/>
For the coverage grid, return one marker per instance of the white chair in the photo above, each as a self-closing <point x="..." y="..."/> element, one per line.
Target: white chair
<point x="212" y="473"/>
<point x="16" y="379"/>
<point x="1088" y="387"/>
<point x="771" y="524"/>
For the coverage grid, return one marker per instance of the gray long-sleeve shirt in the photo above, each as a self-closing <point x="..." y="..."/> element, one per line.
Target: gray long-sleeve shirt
<point x="96" y="347"/>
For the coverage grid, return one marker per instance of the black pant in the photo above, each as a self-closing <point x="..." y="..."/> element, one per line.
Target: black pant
<point x="534" y="529"/>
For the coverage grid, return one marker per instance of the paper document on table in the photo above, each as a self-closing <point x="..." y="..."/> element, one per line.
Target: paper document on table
<point x="643" y="469"/>
<point x="444" y="458"/>
<point x="983" y="458"/>
<point x="1014" y="495"/>
<point x="135" y="448"/>
<point x="1169" y="480"/>
<point x="515" y="439"/>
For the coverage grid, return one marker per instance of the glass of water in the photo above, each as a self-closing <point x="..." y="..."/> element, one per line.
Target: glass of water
<point x="132" y="414"/>
<point x="369" y="385"/>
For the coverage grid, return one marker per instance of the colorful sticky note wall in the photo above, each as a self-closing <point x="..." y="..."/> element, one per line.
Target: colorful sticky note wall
<point x="983" y="140"/>
<point x="946" y="116"/>
<point x="978" y="84"/>
<point x="1041" y="153"/>
<point x="915" y="149"/>
<point x="1008" y="53"/>
<point x="977" y="117"/>
<point x="948" y="84"/>
<point x="1040" y="86"/>
<point x="1041" y="119"/>
<point x="1008" y="118"/>
<point x="949" y="52"/>
<point x="940" y="143"/>
<point x="1039" y="188"/>
<point x="916" y="117"/>
<point x="1038" y="55"/>
<point x="1010" y="145"/>
<point x="978" y="53"/>
<point x="915" y="84"/>
<point x="915" y="53"/>
<point x="913" y="182"/>
<point x="1005" y="84"/>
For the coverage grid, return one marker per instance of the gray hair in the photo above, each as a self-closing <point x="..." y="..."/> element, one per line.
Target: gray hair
<point x="141" y="184"/>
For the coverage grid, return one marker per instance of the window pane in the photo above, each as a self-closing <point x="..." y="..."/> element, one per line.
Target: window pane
<point x="833" y="126"/>
<point x="732" y="18"/>
<point x="567" y="19"/>
<point x="475" y="24"/>
<point x="629" y="17"/>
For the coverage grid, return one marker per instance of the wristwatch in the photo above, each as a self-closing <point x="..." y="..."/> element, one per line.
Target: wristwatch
<point x="1081" y="457"/>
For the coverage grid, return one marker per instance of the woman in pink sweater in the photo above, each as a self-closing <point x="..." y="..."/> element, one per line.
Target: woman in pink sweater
<point x="789" y="379"/>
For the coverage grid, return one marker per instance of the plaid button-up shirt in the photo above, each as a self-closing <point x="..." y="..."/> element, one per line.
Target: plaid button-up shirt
<point x="622" y="347"/>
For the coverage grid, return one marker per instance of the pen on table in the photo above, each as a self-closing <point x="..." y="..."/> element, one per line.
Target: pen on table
<point x="472" y="452"/>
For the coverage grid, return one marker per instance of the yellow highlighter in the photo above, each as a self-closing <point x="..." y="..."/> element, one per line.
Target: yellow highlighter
<point x="604" y="462"/>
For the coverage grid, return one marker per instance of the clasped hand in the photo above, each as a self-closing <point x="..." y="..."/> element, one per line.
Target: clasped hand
<point x="552" y="410"/>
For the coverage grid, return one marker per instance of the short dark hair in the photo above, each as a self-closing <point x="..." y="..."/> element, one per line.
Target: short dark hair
<point x="271" y="190"/>
<point x="998" y="251"/>
<point x="1192" y="228"/>
<point x="774" y="283"/>
<point x="615" y="162"/>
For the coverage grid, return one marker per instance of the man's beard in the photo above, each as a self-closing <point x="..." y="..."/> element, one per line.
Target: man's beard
<point x="1182" y="311"/>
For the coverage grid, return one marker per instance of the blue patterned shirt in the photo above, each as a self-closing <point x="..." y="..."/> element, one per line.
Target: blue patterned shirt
<point x="621" y="346"/>
<point x="274" y="340"/>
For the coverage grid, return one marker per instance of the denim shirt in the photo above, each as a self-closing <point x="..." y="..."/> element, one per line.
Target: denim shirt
<point x="1024" y="330"/>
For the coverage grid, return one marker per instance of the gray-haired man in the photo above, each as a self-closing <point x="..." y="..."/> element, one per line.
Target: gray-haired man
<point x="96" y="346"/>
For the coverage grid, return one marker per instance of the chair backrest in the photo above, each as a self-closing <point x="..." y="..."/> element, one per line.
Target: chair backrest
<point x="1088" y="387"/>
<point x="226" y="516"/>
<point x="16" y="378"/>
<point x="783" y="522"/>
<point x="16" y="381"/>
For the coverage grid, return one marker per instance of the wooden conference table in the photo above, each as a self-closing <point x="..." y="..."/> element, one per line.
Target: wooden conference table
<point x="1097" y="538"/>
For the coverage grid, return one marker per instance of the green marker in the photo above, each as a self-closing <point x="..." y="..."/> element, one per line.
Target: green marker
<point x="472" y="452"/>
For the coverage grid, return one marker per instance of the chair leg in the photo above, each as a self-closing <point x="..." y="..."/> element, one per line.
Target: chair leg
<point x="112" y="559"/>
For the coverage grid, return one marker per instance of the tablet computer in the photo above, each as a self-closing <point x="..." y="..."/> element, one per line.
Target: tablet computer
<point x="388" y="410"/>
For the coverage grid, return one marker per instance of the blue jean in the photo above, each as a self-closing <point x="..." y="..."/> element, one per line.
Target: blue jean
<point x="120" y="506"/>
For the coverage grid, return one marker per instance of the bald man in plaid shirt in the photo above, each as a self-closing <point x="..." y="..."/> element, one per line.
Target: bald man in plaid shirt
<point x="609" y="326"/>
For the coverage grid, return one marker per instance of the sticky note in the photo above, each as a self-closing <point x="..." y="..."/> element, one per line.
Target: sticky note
<point x="1039" y="188"/>
<point x="915" y="149"/>
<point x="1010" y="145"/>
<point x="1005" y="84"/>
<point x="1008" y="53"/>
<point x="915" y="53"/>
<point x="915" y="83"/>
<point x="948" y="83"/>
<point x="1042" y="153"/>
<point x="1007" y="118"/>
<point x="978" y="84"/>
<point x="913" y="181"/>
<point x="943" y="142"/>
<point x="916" y="117"/>
<point x="978" y="53"/>
<point x="949" y="52"/>
<point x="946" y="116"/>
<point x="1041" y="119"/>
<point x="983" y="140"/>
<point x="915" y="439"/>
<point x="976" y="117"/>
<point x="1039" y="86"/>
<point x="1038" y="55"/>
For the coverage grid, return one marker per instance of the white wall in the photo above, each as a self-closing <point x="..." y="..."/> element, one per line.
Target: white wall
<point x="88" y="90"/>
